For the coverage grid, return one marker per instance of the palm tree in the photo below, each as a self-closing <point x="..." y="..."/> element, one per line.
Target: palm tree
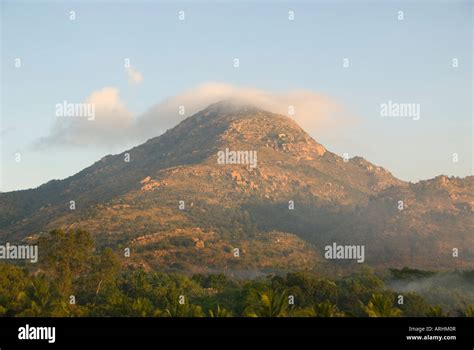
<point x="141" y="307"/>
<point x="176" y="309"/>
<point x="38" y="299"/>
<point x="182" y="310"/>
<point x="381" y="305"/>
<point x="436" y="311"/>
<point x="469" y="311"/>
<point x="326" y="309"/>
<point x="272" y="303"/>
<point x="220" y="312"/>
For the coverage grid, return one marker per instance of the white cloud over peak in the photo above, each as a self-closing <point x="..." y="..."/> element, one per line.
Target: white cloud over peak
<point x="114" y="125"/>
<point x="314" y="112"/>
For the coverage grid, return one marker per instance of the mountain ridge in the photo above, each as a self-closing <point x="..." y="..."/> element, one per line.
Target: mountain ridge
<point x="120" y="201"/>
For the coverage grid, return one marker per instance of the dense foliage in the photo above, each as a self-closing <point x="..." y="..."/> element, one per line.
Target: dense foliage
<point x="74" y="278"/>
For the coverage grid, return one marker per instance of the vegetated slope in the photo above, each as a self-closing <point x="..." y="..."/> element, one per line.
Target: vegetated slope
<point x="179" y="209"/>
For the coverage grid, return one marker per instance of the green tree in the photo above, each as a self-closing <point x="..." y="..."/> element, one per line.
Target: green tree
<point x="308" y="289"/>
<point x="469" y="311"/>
<point x="326" y="309"/>
<point x="39" y="299"/>
<point x="113" y="303"/>
<point x="414" y="305"/>
<point x="141" y="307"/>
<point x="356" y="290"/>
<point x="271" y="303"/>
<point x="220" y="312"/>
<point x="102" y="275"/>
<point x="436" y="311"/>
<point x="13" y="284"/>
<point x="175" y="309"/>
<point x="177" y="305"/>
<point x="66" y="256"/>
<point x="381" y="305"/>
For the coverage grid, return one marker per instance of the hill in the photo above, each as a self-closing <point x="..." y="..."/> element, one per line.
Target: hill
<point x="184" y="201"/>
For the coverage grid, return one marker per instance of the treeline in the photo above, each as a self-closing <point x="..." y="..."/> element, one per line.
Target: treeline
<point x="76" y="279"/>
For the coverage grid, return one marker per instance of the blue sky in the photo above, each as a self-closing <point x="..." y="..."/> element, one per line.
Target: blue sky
<point x="404" y="61"/>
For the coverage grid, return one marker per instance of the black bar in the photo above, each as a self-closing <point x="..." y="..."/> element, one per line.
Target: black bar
<point x="88" y="331"/>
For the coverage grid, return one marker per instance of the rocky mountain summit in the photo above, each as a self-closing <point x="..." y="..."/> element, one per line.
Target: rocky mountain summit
<point x="236" y="177"/>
